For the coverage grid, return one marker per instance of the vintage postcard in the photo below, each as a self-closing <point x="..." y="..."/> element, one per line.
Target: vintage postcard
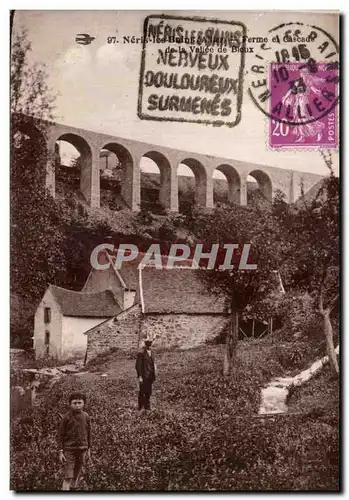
<point x="175" y="201"/>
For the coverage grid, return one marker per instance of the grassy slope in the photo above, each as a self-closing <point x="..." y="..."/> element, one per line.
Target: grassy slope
<point x="202" y="434"/>
<point x="319" y="396"/>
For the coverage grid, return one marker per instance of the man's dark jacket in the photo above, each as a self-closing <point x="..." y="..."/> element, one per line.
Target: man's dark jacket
<point x="145" y="366"/>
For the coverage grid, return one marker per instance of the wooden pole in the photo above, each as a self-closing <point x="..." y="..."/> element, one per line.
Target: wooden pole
<point x="253" y="326"/>
<point x="271" y="326"/>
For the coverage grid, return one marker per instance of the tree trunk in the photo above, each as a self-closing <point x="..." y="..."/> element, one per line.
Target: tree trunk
<point x="328" y="331"/>
<point x="327" y="326"/>
<point x="231" y="343"/>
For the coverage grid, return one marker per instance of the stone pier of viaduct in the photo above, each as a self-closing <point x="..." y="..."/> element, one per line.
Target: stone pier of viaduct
<point x="130" y="152"/>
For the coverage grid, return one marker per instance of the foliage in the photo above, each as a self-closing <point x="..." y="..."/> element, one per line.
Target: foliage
<point x="36" y="256"/>
<point x="296" y="310"/>
<point x="254" y="224"/>
<point x="314" y="240"/>
<point x="51" y="240"/>
<point x="254" y="228"/>
<point x="21" y="321"/>
<point x="145" y="217"/>
<point x="299" y="241"/>
<point x="293" y="356"/>
<point x="30" y="94"/>
<point x="203" y="433"/>
<point x="297" y="313"/>
<point x="81" y="235"/>
<point x="37" y="228"/>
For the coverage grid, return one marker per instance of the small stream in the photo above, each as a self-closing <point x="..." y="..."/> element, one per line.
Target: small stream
<point x="274" y="396"/>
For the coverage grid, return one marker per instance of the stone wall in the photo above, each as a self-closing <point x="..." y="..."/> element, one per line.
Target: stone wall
<point x="182" y="330"/>
<point x="121" y="332"/>
<point x="127" y="330"/>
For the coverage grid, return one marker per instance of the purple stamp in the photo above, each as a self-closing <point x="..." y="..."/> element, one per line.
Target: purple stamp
<point x="294" y="81"/>
<point x="302" y="105"/>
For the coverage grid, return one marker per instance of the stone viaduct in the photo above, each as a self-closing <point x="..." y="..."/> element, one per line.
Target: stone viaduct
<point x="130" y="152"/>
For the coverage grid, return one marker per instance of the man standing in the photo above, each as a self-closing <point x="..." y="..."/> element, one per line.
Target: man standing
<point x="145" y="368"/>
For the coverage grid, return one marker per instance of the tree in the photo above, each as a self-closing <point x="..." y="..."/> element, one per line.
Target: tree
<point x="36" y="225"/>
<point x="30" y="94"/>
<point x="35" y="231"/>
<point x="258" y="226"/>
<point x="314" y="243"/>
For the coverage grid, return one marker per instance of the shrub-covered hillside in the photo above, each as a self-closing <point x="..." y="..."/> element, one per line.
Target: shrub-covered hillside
<point x="202" y="434"/>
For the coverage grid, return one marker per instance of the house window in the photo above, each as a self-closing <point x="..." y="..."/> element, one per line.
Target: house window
<point x="47" y="342"/>
<point x="47" y="315"/>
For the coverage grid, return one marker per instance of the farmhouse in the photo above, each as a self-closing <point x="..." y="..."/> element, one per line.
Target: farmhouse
<point x="63" y="316"/>
<point x="116" y="308"/>
<point x="171" y="306"/>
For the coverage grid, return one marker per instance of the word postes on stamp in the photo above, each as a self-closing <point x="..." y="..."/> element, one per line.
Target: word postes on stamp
<point x="191" y="70"/>
<point x="293" y="80"/>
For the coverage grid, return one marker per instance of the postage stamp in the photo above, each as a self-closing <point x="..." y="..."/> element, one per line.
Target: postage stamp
<point x="305" y="96"/>
<point x="191" y="70"/>
<point x="294" y="80"/>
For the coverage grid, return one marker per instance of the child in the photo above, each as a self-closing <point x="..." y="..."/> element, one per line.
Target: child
<point x="74" y="439"/>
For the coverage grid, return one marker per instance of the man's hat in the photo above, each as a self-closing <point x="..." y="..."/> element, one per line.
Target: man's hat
<point x="149" y="338"/>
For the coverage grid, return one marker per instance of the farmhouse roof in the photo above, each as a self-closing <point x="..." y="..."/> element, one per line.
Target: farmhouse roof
<point x="96" y="305"/>
<point x="128" y="271"/>
<point x="180" y="290"/>
<point x="104" y="278"/>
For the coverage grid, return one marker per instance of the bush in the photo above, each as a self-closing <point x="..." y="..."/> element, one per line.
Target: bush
<point x="144" y="217"/>
<point x="204" y="435"/>
<point x="294" y="355"/>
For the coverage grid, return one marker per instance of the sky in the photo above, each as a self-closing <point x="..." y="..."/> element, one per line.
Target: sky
<point x="97" y="84"/>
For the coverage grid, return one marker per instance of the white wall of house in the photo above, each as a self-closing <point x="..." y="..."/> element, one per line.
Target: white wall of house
<point x="74" y="342"/>
<point x="54" y="328"/>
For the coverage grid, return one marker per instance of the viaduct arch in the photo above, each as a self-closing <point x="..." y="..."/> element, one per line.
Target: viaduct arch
<point x="130" y="153"/>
